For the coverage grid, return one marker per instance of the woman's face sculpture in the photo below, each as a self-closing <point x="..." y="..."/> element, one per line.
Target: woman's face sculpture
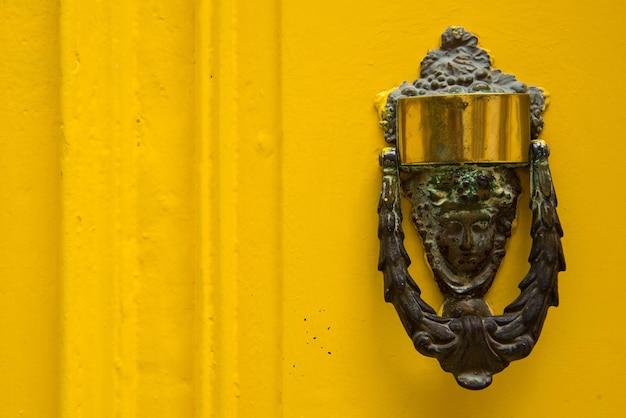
<point x="464" y="216"/>
<point x="465" y="239"/>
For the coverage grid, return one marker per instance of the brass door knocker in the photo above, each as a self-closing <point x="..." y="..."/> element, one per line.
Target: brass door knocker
<point x="458" y="133"/>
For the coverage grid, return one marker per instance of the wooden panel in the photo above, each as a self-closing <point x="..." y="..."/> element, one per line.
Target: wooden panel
<point x="166" y="137"/>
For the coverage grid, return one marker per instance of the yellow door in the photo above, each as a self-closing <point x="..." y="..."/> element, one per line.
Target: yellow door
<point x="188" y="209"/>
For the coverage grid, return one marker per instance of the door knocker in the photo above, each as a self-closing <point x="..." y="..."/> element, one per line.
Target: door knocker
<point x="457" y="135"/>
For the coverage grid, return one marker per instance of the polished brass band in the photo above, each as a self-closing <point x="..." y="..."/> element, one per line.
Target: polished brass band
<point x="464" y="128"/>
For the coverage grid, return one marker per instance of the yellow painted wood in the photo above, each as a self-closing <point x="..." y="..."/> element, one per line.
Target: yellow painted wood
<point x="129" y="209"/>
<point x="30" y="198"/>
<point x="336" y="58"/>
<point x="246" y="192"/>
<point x="189" y="209"/>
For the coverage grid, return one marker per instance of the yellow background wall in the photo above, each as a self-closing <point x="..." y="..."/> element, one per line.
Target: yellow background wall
<point x="188" y="209"/>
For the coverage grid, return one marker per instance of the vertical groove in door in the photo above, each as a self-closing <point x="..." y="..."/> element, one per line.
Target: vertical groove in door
<point x="29" y="209"/>
<point x="99" y="200"/>
<point x="241" y="287"/>
<point x="206" y="388"/>
<point x="126" y="138"/>
<point x="220" y="284"/>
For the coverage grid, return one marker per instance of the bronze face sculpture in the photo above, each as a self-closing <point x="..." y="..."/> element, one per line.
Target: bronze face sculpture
<point x="458" y="133"/>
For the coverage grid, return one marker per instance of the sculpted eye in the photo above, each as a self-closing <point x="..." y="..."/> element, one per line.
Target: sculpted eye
<point x="454" y="228"/>
<point x="480" y="226"/>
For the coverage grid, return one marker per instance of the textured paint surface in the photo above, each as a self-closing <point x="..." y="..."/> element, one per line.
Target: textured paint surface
<point x="29" y="209"/>
<point x="188" y="209"/>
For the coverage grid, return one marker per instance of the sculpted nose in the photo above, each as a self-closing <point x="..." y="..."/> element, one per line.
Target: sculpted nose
<point x="466" y="242"/>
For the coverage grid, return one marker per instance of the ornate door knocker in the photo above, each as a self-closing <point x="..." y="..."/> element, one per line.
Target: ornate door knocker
<point x="458" y="133"/>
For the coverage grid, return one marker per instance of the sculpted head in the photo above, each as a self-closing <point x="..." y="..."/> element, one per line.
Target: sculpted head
<point x="464" y="216"/>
